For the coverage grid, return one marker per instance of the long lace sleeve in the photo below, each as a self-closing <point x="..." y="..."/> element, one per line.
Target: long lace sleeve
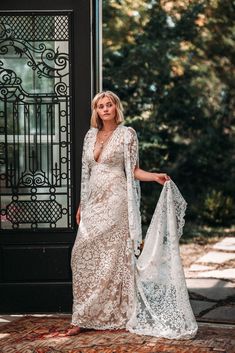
<point x="131" y="155"/>
<point x="85" y="173"/>
<point x="133" y="147"/>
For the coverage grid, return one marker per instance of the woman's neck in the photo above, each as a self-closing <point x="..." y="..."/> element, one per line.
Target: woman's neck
<point x="109" y="126"/>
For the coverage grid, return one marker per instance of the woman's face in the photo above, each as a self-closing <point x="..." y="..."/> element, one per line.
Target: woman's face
<point x="106" y="109"/>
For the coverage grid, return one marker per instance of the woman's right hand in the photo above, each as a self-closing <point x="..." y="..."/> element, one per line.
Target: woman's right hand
<point x="78" y="215"/>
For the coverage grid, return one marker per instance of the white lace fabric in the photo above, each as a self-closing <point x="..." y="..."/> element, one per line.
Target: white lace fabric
<point x="111" y="289"/>
<point x="162" y="306"/>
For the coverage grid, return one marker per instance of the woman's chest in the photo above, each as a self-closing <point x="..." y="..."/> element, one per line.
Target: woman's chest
<point x="112" y="152"/>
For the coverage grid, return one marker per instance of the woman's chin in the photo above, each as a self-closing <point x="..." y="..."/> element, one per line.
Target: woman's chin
<point x="108" y="118"/>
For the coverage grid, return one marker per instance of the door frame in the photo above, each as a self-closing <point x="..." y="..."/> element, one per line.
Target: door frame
<point x="86" y="71"/>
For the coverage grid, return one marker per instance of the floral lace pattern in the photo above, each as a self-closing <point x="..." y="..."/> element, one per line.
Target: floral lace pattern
<point x="102" y="256"/>
<point x="112" y="289"/>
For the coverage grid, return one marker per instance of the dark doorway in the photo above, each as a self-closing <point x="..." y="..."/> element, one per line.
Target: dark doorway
<point x="46" y="80"/>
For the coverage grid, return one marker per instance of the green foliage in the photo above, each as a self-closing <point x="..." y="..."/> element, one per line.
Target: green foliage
<point x="172" y="64"/>
<point x="218" y="208"/>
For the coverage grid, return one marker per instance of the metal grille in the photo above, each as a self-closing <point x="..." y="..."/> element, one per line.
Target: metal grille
<point x="44" y="27"/>
<point x="35" y="122"/>
<point x="33" y="212"/>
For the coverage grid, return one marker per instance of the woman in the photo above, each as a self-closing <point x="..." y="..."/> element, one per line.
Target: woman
<point x="103" y="262"/>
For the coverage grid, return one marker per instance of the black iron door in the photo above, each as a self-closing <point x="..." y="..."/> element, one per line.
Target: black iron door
<point x="45" y="92"/>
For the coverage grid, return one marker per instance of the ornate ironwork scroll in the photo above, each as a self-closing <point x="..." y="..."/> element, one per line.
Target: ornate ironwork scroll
<point x="35" y="121"/>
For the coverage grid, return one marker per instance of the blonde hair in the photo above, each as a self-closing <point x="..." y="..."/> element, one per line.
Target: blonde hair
<point x="95" y="119"/>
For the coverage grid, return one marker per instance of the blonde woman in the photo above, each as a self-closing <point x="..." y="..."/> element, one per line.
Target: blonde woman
<point x="103" y="257"/>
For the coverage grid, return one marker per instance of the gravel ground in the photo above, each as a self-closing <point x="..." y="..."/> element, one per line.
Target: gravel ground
<point x="191" y="252"/>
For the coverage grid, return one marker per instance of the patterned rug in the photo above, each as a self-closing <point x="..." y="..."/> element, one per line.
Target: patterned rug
<point x="31" y="334"/>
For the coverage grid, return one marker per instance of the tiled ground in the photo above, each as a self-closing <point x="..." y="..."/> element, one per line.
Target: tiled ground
<point x="211" y="283"/>
<point x="45" y="334"/>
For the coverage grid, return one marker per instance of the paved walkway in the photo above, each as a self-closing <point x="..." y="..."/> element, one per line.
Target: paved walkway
<point x="211" y="283"/>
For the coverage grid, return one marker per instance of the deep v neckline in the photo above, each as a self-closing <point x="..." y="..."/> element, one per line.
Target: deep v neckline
<point x="105" y="146"/>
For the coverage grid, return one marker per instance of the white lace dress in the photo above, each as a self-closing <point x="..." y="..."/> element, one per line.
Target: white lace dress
<point x="111" y="289"/>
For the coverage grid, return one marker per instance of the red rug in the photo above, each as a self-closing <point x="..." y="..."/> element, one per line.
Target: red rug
<point x="46" y="335"/>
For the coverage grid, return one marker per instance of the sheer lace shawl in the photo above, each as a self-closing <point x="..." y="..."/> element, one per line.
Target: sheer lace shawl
<point x="162" y="307"/>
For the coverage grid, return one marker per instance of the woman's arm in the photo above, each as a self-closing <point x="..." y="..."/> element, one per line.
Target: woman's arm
<point x="142" y="175"/>
<point x="78" y="215"/>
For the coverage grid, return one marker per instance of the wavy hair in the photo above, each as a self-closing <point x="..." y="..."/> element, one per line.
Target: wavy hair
<point x="96" y="121"/>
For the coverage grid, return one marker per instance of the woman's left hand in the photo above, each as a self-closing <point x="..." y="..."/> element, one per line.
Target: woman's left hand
<point x="161" y="178"/>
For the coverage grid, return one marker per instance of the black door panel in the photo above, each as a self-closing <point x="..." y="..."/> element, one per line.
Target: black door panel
<point x="20" y="264"/>
<point x="45" y="93"/>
